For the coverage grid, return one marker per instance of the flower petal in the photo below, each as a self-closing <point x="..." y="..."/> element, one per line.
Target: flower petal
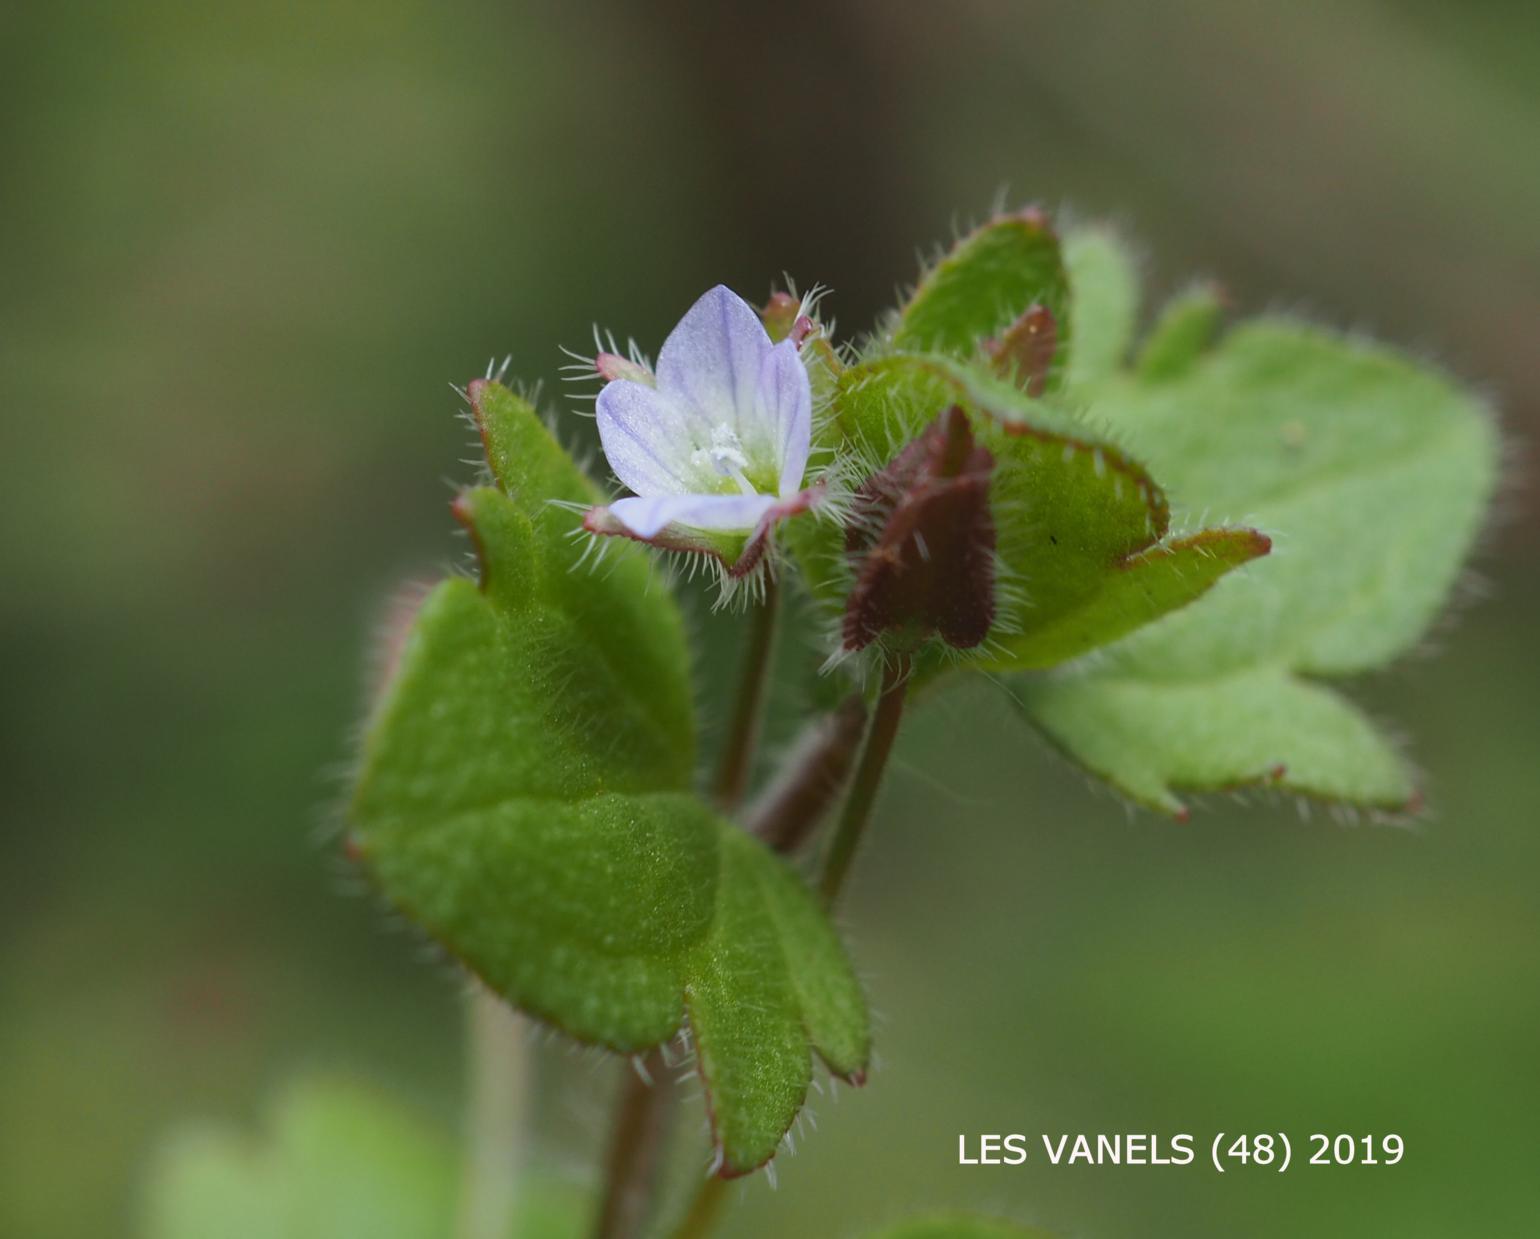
<point x="647" y="437"/>
<point x="786" y="410"/>
<point x="646" y="516"/>
<point x="711" y="360"/>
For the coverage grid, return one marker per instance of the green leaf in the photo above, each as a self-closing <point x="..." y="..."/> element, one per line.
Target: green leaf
<point x="768" y="980"/>
<point x="525" y="795"/>
<point x="1104" y="290"/>
<point x="1081" y="526"/>
<point x="1153" y="738"/>
<point x="1184" y="329"/>
<point x="623" y="614"/>
<point x="986" y="282"/>
<point x="960" y="1226"/>
<point x="1372" y="472"/>
<point x="1146" y="584"/>
<point x="337" y="1159"/>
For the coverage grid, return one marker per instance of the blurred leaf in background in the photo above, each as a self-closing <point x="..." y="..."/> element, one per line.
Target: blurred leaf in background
<point x="247" y="249"/>
<point x="339" y="1159"/>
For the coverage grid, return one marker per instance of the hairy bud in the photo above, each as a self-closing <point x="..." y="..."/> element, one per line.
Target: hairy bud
<point x="1024" y="351"/>
<point x="612" y="366"/>
<point x="923" y="542"/>
<point x="780" y="315"/>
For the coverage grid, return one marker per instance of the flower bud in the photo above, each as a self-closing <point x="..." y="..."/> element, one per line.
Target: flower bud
<point x="780" y="315"/>
<point x="1024" y="351"/>
<point x="923" y="540"/>
<point x="612" y="366"/>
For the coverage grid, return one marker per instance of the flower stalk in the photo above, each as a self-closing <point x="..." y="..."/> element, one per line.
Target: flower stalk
<point x="699" y="1222"/>
<point x="497" y="1072"/>
<point x="749" y="706"/>
<point x="636" y="1149"/>
<point x="863" y="792"/>
<point x="811" y="780"/>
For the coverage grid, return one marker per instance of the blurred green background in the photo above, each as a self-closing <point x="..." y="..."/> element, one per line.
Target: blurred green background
<point x="245" y="250"/>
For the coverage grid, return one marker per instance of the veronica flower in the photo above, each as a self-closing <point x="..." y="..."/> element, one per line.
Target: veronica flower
<point x="714" y="446"/>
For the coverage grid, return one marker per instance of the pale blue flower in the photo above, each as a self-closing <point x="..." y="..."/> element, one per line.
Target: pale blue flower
<point x="715" y="449"/>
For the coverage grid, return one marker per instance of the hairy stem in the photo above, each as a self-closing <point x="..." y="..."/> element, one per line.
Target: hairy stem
<point x="748" y="707"/>
<point x="635" y="1149"/>
<point x="497" y="1072"/>
<point x="863" y="792"/>
<point x="811" y="778"/>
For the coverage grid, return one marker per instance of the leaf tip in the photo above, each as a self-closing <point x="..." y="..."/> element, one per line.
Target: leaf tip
<point x="475" y="395"/>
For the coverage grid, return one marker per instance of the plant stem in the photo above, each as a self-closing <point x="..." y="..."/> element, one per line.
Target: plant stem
<point x="743" y="731"/>
<point x="635" y="1150"/>
<point x="812" y="776"/>
<point x="863" y="793"/>
<point x="698" y="1222"/>
<point x="497" y="1073"/>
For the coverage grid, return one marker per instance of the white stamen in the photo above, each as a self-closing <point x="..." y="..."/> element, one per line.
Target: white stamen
<point x="724" y="456"/>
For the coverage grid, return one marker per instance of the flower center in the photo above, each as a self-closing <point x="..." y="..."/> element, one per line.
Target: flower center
<point x="725" y="457"/>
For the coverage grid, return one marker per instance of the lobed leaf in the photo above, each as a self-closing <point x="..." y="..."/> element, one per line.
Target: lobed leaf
<point x="1153" y="737"/>
<point x="988" y="280"/>
<point x="768" y="980"/>
<point x="1372" y="472"/>
<point x="1104" y="290"/>
<point x="1185" y="328"/>
<point x="525" y="795"/>
<point x="1081" y="526"/>
<point x="623" y="612"/>
<point x="1145" y="585"/>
